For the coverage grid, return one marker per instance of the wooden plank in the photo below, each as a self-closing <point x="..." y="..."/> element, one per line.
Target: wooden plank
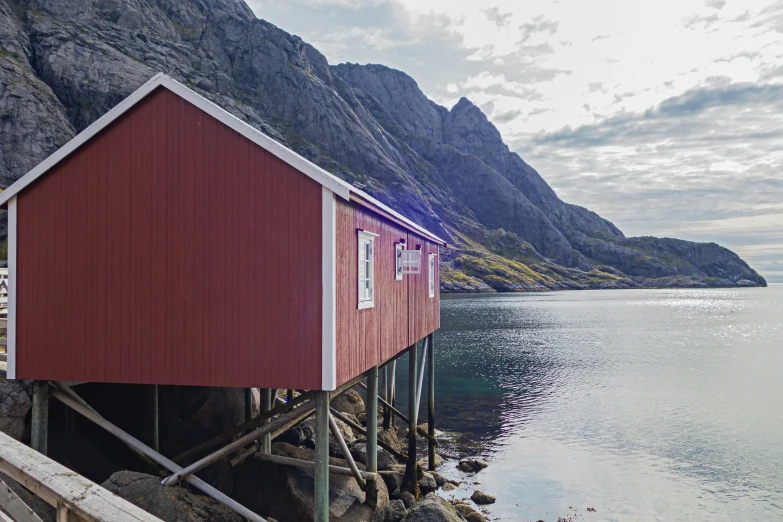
<point x="56" y="484"/>
<point x="15" y="506"/>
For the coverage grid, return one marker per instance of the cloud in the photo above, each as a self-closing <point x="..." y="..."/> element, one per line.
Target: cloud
<point x="672" y="118"/>
<point x="663" y="116"/>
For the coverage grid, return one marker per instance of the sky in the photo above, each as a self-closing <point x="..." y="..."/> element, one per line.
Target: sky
<point x="664" y="117"/>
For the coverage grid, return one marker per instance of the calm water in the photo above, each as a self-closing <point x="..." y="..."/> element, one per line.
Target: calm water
<point x="642" y="404"/>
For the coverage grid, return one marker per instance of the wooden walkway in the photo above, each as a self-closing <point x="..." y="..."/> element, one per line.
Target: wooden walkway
<point x="75" y="497"/>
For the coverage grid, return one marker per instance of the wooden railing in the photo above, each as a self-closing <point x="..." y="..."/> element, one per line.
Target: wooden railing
<point x="75" y="497"/>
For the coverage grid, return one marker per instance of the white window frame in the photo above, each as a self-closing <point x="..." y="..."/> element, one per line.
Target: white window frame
<point x="364" y="237"/>
<point x="398" y="249"/>
<point x="431" y="268"/>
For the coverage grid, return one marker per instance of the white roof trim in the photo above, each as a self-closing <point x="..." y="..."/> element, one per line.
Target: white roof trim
<point x="308" y="168"/>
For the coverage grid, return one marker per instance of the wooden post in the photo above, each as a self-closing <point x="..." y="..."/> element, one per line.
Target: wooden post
<point x="266" y="405"/>
<point x="39" y="433"/>
<point x="372" y="434"/>
<point x="392" y="391"/>
<point x="290" y="396"/>
<point x="248" y="403"/>
<point x="386" y="411"/>
<point x="321" y="499"/>
<point x="155" y="418"/>
<point x="431" y="403"/>
<point x="409" y="483"/>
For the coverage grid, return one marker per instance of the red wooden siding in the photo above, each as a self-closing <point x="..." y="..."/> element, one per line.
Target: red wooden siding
<point x="169" y="249"/>
<point x="403" y="312"/>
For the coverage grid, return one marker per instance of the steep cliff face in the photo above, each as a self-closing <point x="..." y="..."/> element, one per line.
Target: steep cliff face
<point x="64" y="63"/>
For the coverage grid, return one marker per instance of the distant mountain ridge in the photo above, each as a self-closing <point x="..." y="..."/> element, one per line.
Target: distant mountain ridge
<point x="63" y="63"/>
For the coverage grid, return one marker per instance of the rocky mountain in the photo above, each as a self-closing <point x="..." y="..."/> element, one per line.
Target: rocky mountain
<point x="63" y="63"/>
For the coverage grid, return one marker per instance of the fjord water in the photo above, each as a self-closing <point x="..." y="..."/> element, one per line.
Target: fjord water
<point x="641" y="404"/>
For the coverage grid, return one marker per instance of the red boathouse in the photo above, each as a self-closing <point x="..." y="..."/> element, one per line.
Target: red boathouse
<point x="172" y="243"/>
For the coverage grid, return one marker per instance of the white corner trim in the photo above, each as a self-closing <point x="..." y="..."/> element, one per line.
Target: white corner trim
<point x="11" y="328"/>
<point x="329" y="290"/>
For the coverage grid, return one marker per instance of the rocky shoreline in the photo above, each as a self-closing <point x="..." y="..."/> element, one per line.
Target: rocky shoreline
<point x="191" y="415"/>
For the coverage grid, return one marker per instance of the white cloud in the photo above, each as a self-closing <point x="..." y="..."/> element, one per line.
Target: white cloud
<point x="585" y="75"/>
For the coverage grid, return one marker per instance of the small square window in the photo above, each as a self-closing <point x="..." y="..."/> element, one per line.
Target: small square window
<point x="366" y="269"/>
<point x="432" y="275"/>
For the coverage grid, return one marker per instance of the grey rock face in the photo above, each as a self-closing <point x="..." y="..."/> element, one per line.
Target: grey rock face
<point x="472" y="465"/>
<point x="167" y="503"/>
<point x="349" y="402"/>
<point x="15" y="403"/>
<point x="385" y="459"/>
<point x="286" y="492"/>
<point x="394" y="511"/>
<point x="433" y="509"/>
<point x="64" y="63"/>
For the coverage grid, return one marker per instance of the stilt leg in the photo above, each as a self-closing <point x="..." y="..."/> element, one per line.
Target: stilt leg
<point x="321" y="507"/>
<point x="155" y="419"/>
<point x="409" y="483"/>
<point x="372" y="433"/>
<point x="39" y="433"/>
<point x="431" y="402"/>
<point x="248" y="404"/>
<point x="290" y="396"/>
<point x="386" y="411"/>
<point x="266" y="405"/>
<point x="393" y="391"/>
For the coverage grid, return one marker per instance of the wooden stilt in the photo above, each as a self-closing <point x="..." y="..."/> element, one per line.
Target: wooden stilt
<point x="386" y="411"/>
<point x="321" y="499"/>
<point x="346" y="452"/>
<point x="431" y="403"/>
<point x="128" y="439"/>
<point x="248" y="404"/>
<point x="410" y="482"/>
<point x="39" y="433"/>
<point x="362" y="431"/>
<point x="155" y="419"/>
<point x="372" y="434"/>
<point x="266" y="405"/>
<point x="421" y="375"/>
<point x="392" y="391"/>
<point x="290" y="396"/>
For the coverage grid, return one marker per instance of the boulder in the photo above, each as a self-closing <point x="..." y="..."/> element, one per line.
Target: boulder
<point x="394" y="511"/>
<point x="433" y="509"/>
<point x="169" y="503"/>
<point x="298" y="436"/>
<point x="349" y="402"/>
<point x="217" y="409"/>
<point x="472" y="465"/>
<point x="286" y="492"/>
<point x="481" y="498"/>
<point x="448" y="486"/>
<point x="385" y="459"/>
<point x="406" y="497"/>
<point x="389" y="436"/>
<point x="425" y="462"/>
<point x="440" y="480"/>
<point x="334" y="447"/>
<point x="15" y="403"/>
<point x="393" y="479"/>
<point x="470" y="514"/>
<point x="427" y="484"/>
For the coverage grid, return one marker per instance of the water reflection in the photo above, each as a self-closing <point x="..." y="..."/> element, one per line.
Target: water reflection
<point x="654" y="403"/>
